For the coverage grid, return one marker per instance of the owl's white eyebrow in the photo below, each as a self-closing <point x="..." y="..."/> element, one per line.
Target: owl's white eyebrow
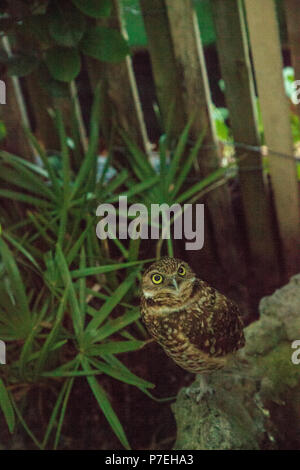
<point x="147" y="294"/>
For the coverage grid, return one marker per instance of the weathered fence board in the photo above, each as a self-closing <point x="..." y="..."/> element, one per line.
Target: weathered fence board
<point x="236" y="71"/>
<point x="165" y="74"/>
<point x="189" y="56"/>
<point x="168" y="89"/>
<point x="182" y="68"/>
<point x="123" y="100"/>
<point x="266" y="52"/>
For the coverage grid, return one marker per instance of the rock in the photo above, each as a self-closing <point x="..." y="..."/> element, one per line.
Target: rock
<point x="263" y="335"/>
<point x="256" y="402"/>
<point x="219" y="421"/>
<point x="284" y="305"/>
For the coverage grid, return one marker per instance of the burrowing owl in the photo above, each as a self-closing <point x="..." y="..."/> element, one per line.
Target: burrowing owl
<point x="198" y="327"/>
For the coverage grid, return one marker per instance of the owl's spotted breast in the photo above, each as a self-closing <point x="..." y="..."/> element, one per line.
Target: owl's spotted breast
<point x="196" y="325"/>
<point x="174" y="334"/>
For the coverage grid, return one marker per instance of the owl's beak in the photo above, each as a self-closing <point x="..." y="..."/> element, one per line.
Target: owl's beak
<point x="173" y="284"/>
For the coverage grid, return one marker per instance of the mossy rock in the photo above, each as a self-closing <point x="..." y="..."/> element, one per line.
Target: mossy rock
<point x="220" y="421"/>
<point x="258" y="406"/>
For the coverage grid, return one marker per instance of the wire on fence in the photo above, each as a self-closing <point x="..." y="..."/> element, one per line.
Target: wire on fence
<point x="232" y="171"/>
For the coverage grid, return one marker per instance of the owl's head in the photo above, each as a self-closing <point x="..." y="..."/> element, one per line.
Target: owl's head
<point x="168" y="277"/>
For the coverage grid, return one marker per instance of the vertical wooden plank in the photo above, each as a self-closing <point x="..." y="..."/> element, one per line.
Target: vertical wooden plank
<point x="190" y="62"/>
<point x="178" y="58"/>
<point x="123" y="99"/>
<point x="169" y="95"/>
<point x="194" y="89"/>
<point x="122" y="88"/>
<point x="266" y="52"/>
<point x="292" y="13"/>
<point x="236" y="71"/>
<point x="165" y="74"/>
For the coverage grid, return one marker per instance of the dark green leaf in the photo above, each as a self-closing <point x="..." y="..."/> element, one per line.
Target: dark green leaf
<point x="121" y="375"/>
<point x="104" y="44"/>
<point x="77" y="315"/>
<point x="63" y="63"/>
<point x="21" y="249"/>
<point x="115" y="325"/>
<point x="111" y="302"/>
<point x="69" y="386"/>
<point x="89" y="163"/>
<point x="94" y="8"/>
<point x="187" y="165"/>
<point x="3" y="130"/>
<point x="106" y="407"/>
<point x="17" y="282"/>
<point x="105" y="269"/>
<point x="36" y="28"/>
<point x="25" y="426"/>
<point x="179" y="152"/>
<point x="6" y="406"/>
<point x="21" y="65"/>
<point x="115" y="347"/>
<point x="54" y="413"/>
<point x="24" y="198"/>
<point x="47" y="346"/>
<point x="55" y="88"/>
<point x="66" y="26"/>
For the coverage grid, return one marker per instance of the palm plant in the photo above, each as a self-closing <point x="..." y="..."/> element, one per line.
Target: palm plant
<point x="172" y="177"/>
<point x="53" y="269"/>
<point x="68" y="302"/>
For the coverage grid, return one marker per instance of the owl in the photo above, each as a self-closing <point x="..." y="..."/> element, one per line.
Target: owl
<point x="198" y="327"/>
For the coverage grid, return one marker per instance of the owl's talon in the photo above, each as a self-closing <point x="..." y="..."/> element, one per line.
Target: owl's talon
<point x="201" y="391"/>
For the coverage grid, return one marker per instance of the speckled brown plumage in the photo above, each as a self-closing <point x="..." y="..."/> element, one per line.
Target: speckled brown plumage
<point x="198" y="327"/>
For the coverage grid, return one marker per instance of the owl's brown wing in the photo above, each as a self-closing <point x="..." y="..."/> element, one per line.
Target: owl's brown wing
<point x="216" y="327"/>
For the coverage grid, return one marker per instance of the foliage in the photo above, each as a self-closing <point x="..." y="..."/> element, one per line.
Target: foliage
<point x="3" y="131"/>
<point x="53" y="274"/>
<point x="68" y="302"/>
<point x="136" y="29"/>
<point x="174" y="173"/>
<point x="221" y="115"/>
<point x="51" y="36"/>
<point x="289" y="78"/>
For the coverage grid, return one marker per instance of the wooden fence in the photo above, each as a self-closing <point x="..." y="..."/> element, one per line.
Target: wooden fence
<point x="180" y="75"/>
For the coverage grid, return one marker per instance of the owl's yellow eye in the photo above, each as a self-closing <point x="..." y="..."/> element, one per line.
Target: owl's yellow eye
<point x="157" y="278"/>
<point x="182" y="271"/>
